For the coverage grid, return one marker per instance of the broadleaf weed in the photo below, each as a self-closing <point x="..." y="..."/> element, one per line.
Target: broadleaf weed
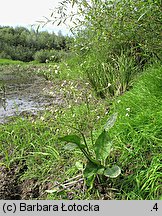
<point x="96" y="155"/>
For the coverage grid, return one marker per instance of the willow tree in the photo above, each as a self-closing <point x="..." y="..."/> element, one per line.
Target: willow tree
<point x="113" y="31"/>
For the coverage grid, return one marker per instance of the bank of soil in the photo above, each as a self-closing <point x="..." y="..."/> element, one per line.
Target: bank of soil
<point x="22" y="93"/>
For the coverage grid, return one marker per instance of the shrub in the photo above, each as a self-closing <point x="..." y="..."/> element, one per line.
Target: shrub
<point x="17" y="53"/>
<point x="114" y="39"/>
<point x="44" y="56"/>
<point x="4" y="55"/>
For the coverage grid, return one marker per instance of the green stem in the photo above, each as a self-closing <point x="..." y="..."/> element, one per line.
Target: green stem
<point x="90" y="158"/>
<point x="84" y="139"/>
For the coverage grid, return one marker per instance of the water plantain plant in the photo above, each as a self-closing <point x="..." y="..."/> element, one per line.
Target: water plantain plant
<point x="96" y="155"/>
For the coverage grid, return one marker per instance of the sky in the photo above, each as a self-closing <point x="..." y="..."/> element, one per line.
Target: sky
<point x="28" y="12"/>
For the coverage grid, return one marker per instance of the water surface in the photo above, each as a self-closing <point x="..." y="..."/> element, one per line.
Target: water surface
<point x="22" y="93"/>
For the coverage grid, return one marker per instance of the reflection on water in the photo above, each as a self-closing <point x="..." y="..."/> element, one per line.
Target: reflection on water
<point x="18" y="95"/>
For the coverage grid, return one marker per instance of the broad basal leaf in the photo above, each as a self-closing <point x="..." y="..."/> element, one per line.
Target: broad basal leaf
<point x="79" y="165"/>
<point x="73" y="139"/>
<point x="90" y="181"/>
<point x="101" y="171"/>
<point x="90" y="173"/>
<point x="112" y="172"/>
<point x="70" y="146"/>
<point x="111" y="121"/>
<point x="90" y="170"/>
<point x="102" y="146"/>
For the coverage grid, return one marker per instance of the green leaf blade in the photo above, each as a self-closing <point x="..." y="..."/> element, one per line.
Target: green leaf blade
<point x="90" y="172"/>
<point x="112" y="172"/>
<point x="102" y="146"/>
<point x="90" y="169"/>
<point x="70" y="146"/>
<point x="111" y="121"/>
<point x="79" y="165"/>
<point x="73" y="139"/>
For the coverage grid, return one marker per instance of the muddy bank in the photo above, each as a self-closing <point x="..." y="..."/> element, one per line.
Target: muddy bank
<point x="11" y="188"/>
<point x="23" y="92"/>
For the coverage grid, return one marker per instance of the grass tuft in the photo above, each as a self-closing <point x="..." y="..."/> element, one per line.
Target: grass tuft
<point x="137" y="136"/>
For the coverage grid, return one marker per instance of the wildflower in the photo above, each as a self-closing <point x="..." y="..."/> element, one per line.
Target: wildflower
<point x="106" y="112"/>
<point x="109" y="84"/>
<point x="128" y="109"/>
<point x="89" y="96"/>
<point x="42" y="118"/>
<point x="64" y="83"/>
<point x="72" y="87"/>
<point x="127" y="114"/>
<point x="98" y="117"/>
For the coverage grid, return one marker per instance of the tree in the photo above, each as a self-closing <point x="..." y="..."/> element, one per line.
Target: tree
<point x="115" y="39"/>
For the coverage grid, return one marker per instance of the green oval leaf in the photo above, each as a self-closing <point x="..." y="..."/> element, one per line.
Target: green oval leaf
<point x="79" y="165"/>
<point x="90" y="170"/>
<point x="100" y="171"/>
<point x="111" y="121"/>
<point x="71" y="138"/>
<point x="90" y="173"/>
<point x="112" y="172"/>
<point x="70" y="146"/>
<point x="102" y="146"/>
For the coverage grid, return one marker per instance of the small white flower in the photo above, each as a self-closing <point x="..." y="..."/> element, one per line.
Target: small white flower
<point x="109" y="84"/>
<point x="72" y="87"/>
<point x="64" y="83"/>
<point x="42" y="118"/>
<point x="89" y="96"/>
<point x="127" y="114"/>
<point x="118" y="101"/>
<point x="128" y="109"/>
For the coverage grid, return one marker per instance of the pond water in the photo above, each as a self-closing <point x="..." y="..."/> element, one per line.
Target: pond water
<point x="22" y="94"/>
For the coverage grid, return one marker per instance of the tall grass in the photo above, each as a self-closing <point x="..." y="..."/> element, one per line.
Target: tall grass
<point x="34" y="144"/>
<point x="110" y="74"/>
<point x="137" y="137"/>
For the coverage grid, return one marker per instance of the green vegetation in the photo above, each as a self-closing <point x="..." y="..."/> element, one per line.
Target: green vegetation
<point x="9" y="62"/>
<point x="138" y="138"/>
<point x="115" y="40"/>
<point x="96" y="156"/>
<point x="21" y="44"/>
<point x="111" y="70"/>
